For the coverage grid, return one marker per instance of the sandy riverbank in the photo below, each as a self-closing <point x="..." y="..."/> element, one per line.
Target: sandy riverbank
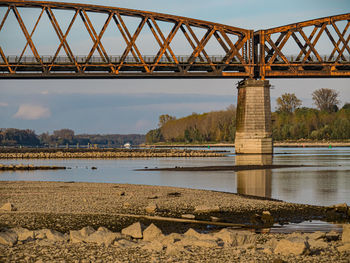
<point x="66" y="206"/>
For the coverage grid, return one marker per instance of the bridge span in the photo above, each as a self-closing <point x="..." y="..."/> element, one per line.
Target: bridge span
<point x="310" y="49"/>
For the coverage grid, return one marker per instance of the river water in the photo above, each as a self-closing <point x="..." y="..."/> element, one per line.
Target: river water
<point x="327" y="182"/>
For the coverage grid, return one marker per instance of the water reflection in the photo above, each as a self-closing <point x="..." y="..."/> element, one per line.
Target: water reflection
<point x="254" y="182"/>
<point x="325" y="182"/>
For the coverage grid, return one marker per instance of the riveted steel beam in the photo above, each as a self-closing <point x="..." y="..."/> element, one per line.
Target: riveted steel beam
<point x="260" y="54"/>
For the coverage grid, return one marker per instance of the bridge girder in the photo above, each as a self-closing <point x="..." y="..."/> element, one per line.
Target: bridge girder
<point x="246" y="54"/>
<point x="309" y="62"/>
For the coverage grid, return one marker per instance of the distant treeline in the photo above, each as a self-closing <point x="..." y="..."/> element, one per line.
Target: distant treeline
<point x="312" y="124"/>
<point x="215" y="126"/>
<point x="15" y="137"/>
<point x="219" y="126"/>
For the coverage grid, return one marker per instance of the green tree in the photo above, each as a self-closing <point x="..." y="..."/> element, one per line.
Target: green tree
<point x="154" y="136"/>
<point x="288" y="102"/>
<point x="346" y="106"/>
<point x="326" y="99"/>
<point x="13" y="137"/>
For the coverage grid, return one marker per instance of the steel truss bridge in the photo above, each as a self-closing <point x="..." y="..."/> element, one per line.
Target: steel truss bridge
<point x="291" y="51"/>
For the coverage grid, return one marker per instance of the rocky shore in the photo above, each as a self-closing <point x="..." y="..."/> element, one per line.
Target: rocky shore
<point x="88" y="222"/>
<point x="28" y="167"/>
<point x="13" y="153"/>
<point x="140" y="243"/>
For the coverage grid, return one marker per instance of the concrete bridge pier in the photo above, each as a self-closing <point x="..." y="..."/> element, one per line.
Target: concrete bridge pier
<point x="253" y="118"/>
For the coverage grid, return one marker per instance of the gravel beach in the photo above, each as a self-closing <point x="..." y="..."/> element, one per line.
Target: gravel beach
<point x="70" y="206"/>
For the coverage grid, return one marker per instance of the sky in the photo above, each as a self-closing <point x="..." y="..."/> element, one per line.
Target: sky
<point x="133" y="106"/>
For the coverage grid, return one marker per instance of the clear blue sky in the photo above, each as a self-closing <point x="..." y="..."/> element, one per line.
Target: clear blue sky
<point x="133" y="106"/>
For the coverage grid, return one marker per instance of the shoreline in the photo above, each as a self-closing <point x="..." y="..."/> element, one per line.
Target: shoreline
<point x="194" y="225"/>
<point x="110" y="200"/>
<point x="49" y="153"/>
<point x="224" y="168"/>
<point x="275" y="144"/>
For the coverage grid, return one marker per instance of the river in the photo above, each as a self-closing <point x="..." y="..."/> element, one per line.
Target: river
<point x="327" y="182"/>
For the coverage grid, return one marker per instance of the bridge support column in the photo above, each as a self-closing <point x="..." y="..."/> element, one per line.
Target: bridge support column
<point x="253" y="118"/>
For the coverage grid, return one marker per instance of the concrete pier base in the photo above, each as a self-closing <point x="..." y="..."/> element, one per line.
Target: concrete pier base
<point x="253" y="118"/>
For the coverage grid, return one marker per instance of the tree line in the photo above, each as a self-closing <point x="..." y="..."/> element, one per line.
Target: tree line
<point x="15" y="137"/>
<point x="290" y="121"/>
<point x="215" y="126"/>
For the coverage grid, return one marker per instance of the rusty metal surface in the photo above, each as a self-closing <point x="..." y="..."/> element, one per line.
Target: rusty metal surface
<point x="247" y="54"/>
<point x="274" y="44"/>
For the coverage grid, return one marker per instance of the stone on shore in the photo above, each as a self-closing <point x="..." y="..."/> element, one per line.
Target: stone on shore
<point x="55" y="236"/>
<point x="346" y="233"/>
<point x="8" y="238"/>
<point x="151" y="208"/>
<point x="8" y="207"/>
<point x="188" y="216"/>
<point x="317" y="244"/>
<point x="23" y="234"/>
<point x="236" y="238"/>
<point x="344" y="248"/>
<point x="152" y="232"/>
<point x="316" y="235"/>
<point x="77" y="236"/>
<point x="134" y="230"/>
<point x="170" y="239"/>
<point x="296" y="246"/>
<point x="86" y="231"/>
<point x="40" y="234"/>
<point x="215" y="219"/>
<point x="192" y="233"/>
<point x="103" y="236"/>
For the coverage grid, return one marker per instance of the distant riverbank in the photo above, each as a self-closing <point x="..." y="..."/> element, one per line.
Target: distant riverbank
<point x="35" y="153"/>
<point x="275" y="144"/>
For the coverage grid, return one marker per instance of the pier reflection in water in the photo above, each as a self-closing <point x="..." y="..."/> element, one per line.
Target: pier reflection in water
<point x="254" y="182"/>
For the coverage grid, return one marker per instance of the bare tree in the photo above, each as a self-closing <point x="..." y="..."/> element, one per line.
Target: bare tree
<point x="326" y="99"/>
<point x="288" y="102"/>
<point x="164" y="119"/>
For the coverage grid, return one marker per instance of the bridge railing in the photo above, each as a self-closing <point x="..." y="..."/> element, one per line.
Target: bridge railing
<point x="16" y="60"/>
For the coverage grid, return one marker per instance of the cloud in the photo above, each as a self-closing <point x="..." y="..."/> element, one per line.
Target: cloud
<point x="3" y="104"/>
<point x="32" y="112"/>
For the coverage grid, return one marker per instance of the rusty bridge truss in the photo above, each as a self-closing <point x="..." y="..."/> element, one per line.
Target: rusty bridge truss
<point x="213" y="50"/>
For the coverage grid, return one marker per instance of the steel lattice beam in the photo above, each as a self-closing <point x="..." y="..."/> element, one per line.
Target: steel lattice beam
<point x="274" y="60"/>
<point x="247" y="54"/>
